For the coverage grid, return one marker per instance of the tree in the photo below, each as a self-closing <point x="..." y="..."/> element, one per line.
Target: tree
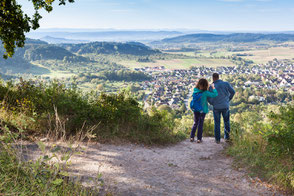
<point x="14" y="23"/>
<point x="164" y="108"/>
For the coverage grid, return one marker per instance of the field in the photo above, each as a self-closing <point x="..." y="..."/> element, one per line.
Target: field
<point x="263" y="56"/>
<point x="180" y="63"/>
<point x="259" y="53"/>
<point x="52" y="73"/>
<point x="259" y="56"/>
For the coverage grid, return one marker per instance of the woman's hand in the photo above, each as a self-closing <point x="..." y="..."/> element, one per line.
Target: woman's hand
<point x="212" y="85"/>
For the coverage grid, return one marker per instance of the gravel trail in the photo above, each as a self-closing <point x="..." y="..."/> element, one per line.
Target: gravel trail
<point x="182" y="169"/>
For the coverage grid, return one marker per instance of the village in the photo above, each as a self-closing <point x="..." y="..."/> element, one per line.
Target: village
<point x="174" y="87"/>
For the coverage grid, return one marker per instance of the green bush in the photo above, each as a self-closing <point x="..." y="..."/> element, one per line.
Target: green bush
<point x="69" y="111"/>
<point x="281" y="133"/>
<point x="265" y="147"/>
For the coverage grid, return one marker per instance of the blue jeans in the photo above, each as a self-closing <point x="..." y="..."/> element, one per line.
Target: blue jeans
<point x="217" y="120"/>
<point x="198" y="122"/>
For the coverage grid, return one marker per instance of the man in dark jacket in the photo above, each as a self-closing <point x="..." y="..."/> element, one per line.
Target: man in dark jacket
<point x="221" y="105"/>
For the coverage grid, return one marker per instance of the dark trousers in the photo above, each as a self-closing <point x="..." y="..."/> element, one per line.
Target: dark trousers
<point x="198" y="122"/>
<point x="217" y="120"/>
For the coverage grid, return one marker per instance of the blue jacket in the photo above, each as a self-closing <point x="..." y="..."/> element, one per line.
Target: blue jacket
<point x="225" y="94"/>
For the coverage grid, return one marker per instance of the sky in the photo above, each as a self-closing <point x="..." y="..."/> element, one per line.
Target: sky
<point x="212" y="15"/>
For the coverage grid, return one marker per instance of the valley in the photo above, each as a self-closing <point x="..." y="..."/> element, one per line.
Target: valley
<point x="133" y="92"/>
<point x="161" y="73"/>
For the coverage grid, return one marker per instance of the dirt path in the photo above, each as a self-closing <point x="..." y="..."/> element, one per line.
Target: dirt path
<point x="183" y="169"/>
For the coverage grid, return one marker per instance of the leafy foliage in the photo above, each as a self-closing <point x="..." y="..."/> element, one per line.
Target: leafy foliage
<point x="14" y="23"/>
<point x="281" y="134"/>
<point x="130" y="48"/>
<point x="265" y="146"/>
<point x="45" y="52"/>
<point x="113" y="116"/>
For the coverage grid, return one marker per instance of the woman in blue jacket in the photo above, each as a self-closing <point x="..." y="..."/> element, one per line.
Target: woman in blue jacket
<point x="202" y="92"/>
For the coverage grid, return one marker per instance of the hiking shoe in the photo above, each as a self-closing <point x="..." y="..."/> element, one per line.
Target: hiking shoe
<point x="191" y="139"/>
<point x="227" y="140"/>
<point x="199" y="141"/>
<point x="217" y="141"/>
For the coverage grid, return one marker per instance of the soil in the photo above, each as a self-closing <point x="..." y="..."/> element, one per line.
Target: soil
<point x="182" y="169"/>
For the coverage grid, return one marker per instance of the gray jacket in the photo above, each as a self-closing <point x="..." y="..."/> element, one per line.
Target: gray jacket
<point x="225" y="94"/>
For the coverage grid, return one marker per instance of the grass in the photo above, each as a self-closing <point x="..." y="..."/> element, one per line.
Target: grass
<point x="53" y="74"/>
<point x="39" y="177"/>
<point x="33" y="108"/>
<point x="250" y="152"/>
<point x="19" y="178"/>
<point x="266" y="149"/>
<point x="180" y="63"/>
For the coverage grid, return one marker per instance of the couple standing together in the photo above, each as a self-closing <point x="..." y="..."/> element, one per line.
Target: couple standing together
<point x="219" y="95"/>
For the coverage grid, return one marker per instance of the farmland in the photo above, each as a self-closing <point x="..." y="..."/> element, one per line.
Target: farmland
<point x="257" y="55"/>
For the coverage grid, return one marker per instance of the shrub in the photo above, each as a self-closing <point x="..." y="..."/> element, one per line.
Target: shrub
<point x="115" y="116"/>
<point x="281" y="133"/>
<point x="266" y="148"/>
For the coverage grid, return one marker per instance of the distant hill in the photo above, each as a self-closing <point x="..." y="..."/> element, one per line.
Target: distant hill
<point x="130" y="48"/>
<point x="35" y="50"/>
<point x="34" y="41"/>
<point x="108" y="35"/>
<point x="235" y="37"/>
<point x="56" y="40"/>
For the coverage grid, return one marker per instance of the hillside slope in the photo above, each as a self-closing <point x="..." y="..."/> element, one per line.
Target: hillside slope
<point x="129" y="48"/>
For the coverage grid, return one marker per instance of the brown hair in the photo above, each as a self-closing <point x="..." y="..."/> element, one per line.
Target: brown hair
<point x="202" y="84"/>
<point x="215" y="76"/>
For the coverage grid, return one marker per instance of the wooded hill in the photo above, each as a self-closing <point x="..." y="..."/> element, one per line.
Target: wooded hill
<point x="35" y="50"/>
<point x="129" y="48"/>
<point x="235" y="37"/>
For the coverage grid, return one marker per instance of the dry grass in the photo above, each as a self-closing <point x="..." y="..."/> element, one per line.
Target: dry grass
<point x="263" y="56"/>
